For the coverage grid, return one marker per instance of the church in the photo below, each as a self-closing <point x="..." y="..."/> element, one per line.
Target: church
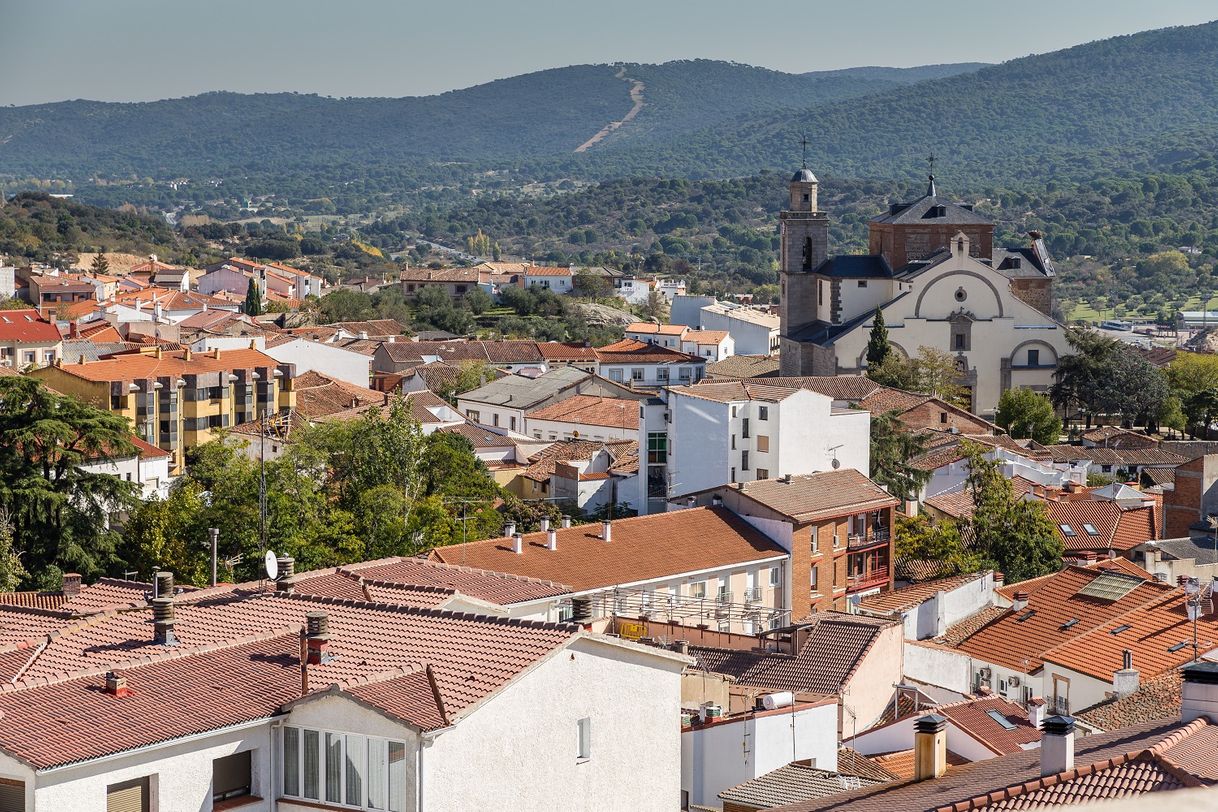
<point x="933" y="270"/>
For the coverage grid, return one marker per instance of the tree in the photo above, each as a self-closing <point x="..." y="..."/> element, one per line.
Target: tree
<point x="59" y="512"/>
<point x="1107" y="377"/>
<point x="477" y="301"/>
<point x="591" y="285"/>
<point x="937" y="374"/>
<point x="253" y="300"/>
<point x="100" y="263"/>
<point x="878" y="348"/>
<point x="656" y="306"/>
<point x="894" y="371"/>
<point x="1027" y="414"/>
<point x="1015" y="536"/>
<point x="1193" y="378"/>
<point x="346" y="304"/>
<point x="918" y="539"/>
<point x="892" y="447"/>
<point x="11" y="571"/>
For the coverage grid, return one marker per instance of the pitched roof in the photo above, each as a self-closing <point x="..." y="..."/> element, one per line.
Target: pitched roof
<point x="730" y="391"/>
<point x="643" y="548"/>
<point x="375" y="328"/>
<point x="809" y="497"/>
<point x="318" y="395"/>
<point x="561" y="351"/>
<point x="1114" y="456"/>
<point x="743" y="366"/>
<point x="520" y="392"/>
<point x="790" y="783"/>
<point x="839" y="387"/>
<point x="1111" y="526"/>
<point x="491" y="352"/>
<point x="495" y="587"/>
<point x="656" y="329"/>
<point x="962" y="783"/>
<point x="425" y="275"/>
<point x="483" y="436"/>
<point x="976" y="717"/>
<point x="591" y="410"/>
<point x="835" y="645"/>
<point x="27" y="327"/>
<point x="629" y="351"/>
<point x="543" y="464"/>
<point x="855" y="266"/>
<point x="1156" y="698"/>
<point x="705" y="337"/>
<point x="141" y="365"/>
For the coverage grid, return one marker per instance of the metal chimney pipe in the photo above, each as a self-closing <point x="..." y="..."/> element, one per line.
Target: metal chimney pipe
<point x="607" y="530"/>
<point x="545" y="523"/>
<point x="518" y="544"/>
<point x="566" y="520"/>
<point x="551" y="539"/>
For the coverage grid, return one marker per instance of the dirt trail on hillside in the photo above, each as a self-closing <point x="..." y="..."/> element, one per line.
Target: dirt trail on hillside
<point x="636" y="96"/>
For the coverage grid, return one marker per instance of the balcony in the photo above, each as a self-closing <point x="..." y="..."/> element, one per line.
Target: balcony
<point x="859" y="541"/>
<point x="752" y="594"/>
<point x="867" y="580"/>
<point x="1059" y="706"/>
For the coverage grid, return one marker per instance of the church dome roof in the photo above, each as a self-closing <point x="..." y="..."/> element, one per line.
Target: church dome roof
<point x="803" y="176"/>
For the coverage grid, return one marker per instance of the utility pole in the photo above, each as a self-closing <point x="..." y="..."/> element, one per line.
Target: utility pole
<point x="215" y="535"/>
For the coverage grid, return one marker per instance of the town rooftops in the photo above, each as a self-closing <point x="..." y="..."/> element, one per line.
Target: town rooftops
<point x="748" y="314"/>
<point x="791" y="782"/>
<point x="743" y="366"/>
<point x="833" y="646"/>
<point x="850" y="388"/>
<point x="592" y="410"/>
<point x="519" y="392"/>
<point x="735" y="391"/>
<point x="641" y="549"/>
<point x="1091" y="524"/>
<point x="809" y="497"/>
<point x="27" y="327"/>
<point x="138" y="366"/>
<point x="706" y="338"/>
<point x="374" y="328"/>
<point x="318" y="395"/>
<point x="648" y="328"/>
<point x="1156" y="698"/>
<point x="491" y="352"/>
<point x="995" y="722"/>
<point x="1198" y="549"/>
<point x="440" y="275"/>
<point x="907" y="597"/>
<point x="629" y="351"/>
<point x="1098" y="455"/>
<point x="564" y="351"/>
<point x="543" y="464"/>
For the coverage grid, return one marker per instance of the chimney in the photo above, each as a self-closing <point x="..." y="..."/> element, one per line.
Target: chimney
<point x="1125" y="681"/>
<point x="73" y="329"/>
<point x="716" y="501"/>
<point x="1057" y="745"/>
<point x="999" y="580"/>
<point x="509" y="529"/>
<point x="162" y="584"/>
<point x="186" y="353"/>
<point x="157" y="352"/>
<point x="1021" y="601"/>
<point x="318" y="638"/>
<point x="691" y="501"/>
<point x="545" y="524"/>
<point x="116" y="685"/>
<point x="1200" y="692"/>
<point x="681" y="647"/>
<point x="551" y="539"/>
<point x="518" y="544"/>
<point x="162" y="622"/>
<point x="215" y="353"/>
<point x="71" y="584"/>
<point x="607" y="530"/>
<point x="1036" y="711"/>
<point x="930" y="747"/>
<point x="287" y="574"/>
<point x="566" y="521"/>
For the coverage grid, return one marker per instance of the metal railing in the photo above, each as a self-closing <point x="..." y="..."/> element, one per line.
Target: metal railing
<point x="874" y="577"/>
<point x="857" y="540"/>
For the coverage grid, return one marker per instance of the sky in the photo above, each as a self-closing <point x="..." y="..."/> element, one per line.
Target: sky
<point x="142" y="50"/>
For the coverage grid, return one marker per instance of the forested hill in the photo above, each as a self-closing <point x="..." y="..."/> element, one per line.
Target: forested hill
<point x="544" y="114"/>
<point x="1000" y="122"/>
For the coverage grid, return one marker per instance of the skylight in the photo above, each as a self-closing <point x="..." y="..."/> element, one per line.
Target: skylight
<point x="1110" y="586"/>
<point x="1069" y="623"/>
<point x="1178" y="646"/>
<point x="1091" y="531"/>
<point x="1025" y="616"/>
<point x="1123" y="627"/>
<point x="1000" y="719"/>
<point x="1067" y="530"/>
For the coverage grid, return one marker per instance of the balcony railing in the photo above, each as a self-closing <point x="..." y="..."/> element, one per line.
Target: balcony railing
<point x="871" y="578"/>
<point x="752" y="594"/>
<point x="858" y="540"/>
<point x="1059" y="706"/>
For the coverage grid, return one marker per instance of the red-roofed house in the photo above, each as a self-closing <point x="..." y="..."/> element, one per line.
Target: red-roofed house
<point x="648" y="365"/>
<point x="148" y="465"/>
<point x="28" y="340"/>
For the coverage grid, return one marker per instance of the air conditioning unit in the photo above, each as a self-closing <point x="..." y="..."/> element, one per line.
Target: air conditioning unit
<point x="1013" y="682"/>
<point x="986" y="674"/>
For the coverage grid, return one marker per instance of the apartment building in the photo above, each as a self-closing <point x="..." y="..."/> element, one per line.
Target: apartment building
<point x="650" y="366"/>
<point x="662" y="335"/>
<point x="591" y="417"/>
<point x="719" y="433"/>
<point x="837" y="526"/>
<point x="28" y="340"/>
<point x="713" y="345"/>
<point x="176" y="399"/>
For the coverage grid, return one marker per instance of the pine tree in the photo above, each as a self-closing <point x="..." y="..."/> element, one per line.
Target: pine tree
<point x="253" y="300"/>
<point x="878" y="347"/>
<point x="100" y="264"/>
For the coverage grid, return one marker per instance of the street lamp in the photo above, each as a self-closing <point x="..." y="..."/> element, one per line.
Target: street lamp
<point x="1193" y="590"/>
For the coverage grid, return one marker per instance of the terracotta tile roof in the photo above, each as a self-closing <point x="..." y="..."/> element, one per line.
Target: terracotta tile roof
<point x="963" y="783"/>
<point x="547" y="270"/>
<point x="542" y="464"/>
<point x="141" y="366"/>
<point x="495" y="587"/>
<point x="657" y="329"/>
<point x="641" y="549"/>
<point x="27" y="327"/>
<point x="907" y="597"/>
<point x="102" y="334"/>
<point x="559" y="351"/>
<point x="1059" y="611"/>
<point x="731" y="391"/>
<point x="1123" y="565"/>
<point x="851" y="388"/>
<point x="852" y="762"/>
<point x="409" y="698"/>
<point x="491" y="352"/>
<point x="591" y="410"/>
<point x="20" y="624"/>
<point x="482" y="437"/>
<point x="375" y="328"/>
<point x="973" y="717"/>
<point x="1115" y="528"/>
<point x="835" y="646"/>
<point x="169" y="299"/>
<point x="790" y="783"/>
<point x="743" y="366"/>
<point x="108" y="593"/>
<point x="705" y="337"/>
<point x="901" y="763"/>
<point x="426" y="275"/>
<point x="629" y="351"/>
<point x="35" y="600"/>
<point x="1156" y="698"/>
<point x="809" y="497"/>
<point x="1114" y="437"/>
<point x="318" y="395"/>
<point x="959" y="632"/>
<point x="1114" y="456"/>
<point x="885" y="399"/>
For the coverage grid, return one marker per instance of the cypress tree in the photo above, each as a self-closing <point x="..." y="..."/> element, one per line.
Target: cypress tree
<point x="253" y="300"/>
<point x="878" y="347"/>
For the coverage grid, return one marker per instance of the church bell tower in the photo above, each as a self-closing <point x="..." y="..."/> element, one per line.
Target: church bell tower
<point x="805" y="245"/>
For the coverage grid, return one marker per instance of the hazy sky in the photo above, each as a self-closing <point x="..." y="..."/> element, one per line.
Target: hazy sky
<point x="150" y="49"/>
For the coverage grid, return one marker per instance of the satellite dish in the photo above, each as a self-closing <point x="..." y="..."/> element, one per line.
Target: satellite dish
<point x="836" y="463"/>
<point x="271" y="564"/>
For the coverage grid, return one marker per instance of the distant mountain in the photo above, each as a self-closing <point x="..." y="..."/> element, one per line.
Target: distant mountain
<point x="904" y="76"/>
<point x="530" y="117"/>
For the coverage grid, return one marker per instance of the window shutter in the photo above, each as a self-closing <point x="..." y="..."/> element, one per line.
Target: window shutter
<point x="12" y="796"/>
<point x="129" y="796"/>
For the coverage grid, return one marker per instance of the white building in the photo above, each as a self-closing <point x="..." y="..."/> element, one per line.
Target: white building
<point x="148" y="466"/>
<point x="585" y="417"/>
<point x="753" y="331"/>
<point x="713" y="345"/>
<point x="643" y="365"/>
<point x="308" y="356"/>
<point x="949" y="469"/>
<point x="219" y="707"/>
<point x="663" y="335"/>
<point x="719" y="433"/>
<point x="555" y="279"/>
<point x="505" y="402"/>
<point x="8" y="281"/>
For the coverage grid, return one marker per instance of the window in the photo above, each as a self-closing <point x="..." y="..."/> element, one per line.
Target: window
<point x="512" y="423"/>
<point x="697" y="589"/>
<point x="473" y="415"/>
<point x="733" y="442"/>
<point x="636" y="374"/>
<point x="615" y="375"/>
<point x="958" y="341"/>
<point x="733" y="474"/>
<point x="763" y="412"/>
<point x="495" y="419"/>
<point x="942" y="417"/>
<point x="862" y="283"/>
<point x="1033" y="358"/>
<point x="662" y="374"/>
<point x="813" y="581"/>
<point x="343" y="768"/>
<point x="763" y="442"/>
<point x="129" y="796"/>
<point x="685" y="373"/>
<point x="1067" y="530"/>
<point x="230" y="776"/>
<point x="763" y="473"/>
<point x="820" y="293"/>
<point x="744" y="460"/>
<point x="1091" y="531"/>
<point x="814" y="538"/>
<point x="12" y="795"/>
<point x="744" y="428"/>
<point x="657" y="447"/>
<point x="775" y="576"/>
<point x="29" y="356"/>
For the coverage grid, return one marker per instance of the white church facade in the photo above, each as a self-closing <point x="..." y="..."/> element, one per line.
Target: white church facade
<point x="933" y="271"/>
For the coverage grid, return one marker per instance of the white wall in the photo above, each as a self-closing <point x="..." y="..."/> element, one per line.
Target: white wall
<point x="723" y="754"/>
<point x="519" y="750"/>
<point x="698" y="444"/>
<point x="939" y="666"/>
<point x="679" y="374"/>
<point x="308" y="356"/>
<point x="750" y="338"/>
<point x="565" y="430"/>
<point x="945" y="608"/>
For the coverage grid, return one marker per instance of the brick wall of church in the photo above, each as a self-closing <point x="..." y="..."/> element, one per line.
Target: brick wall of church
<point x="1036" y="292"/>
<point x="901" y="244"/>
